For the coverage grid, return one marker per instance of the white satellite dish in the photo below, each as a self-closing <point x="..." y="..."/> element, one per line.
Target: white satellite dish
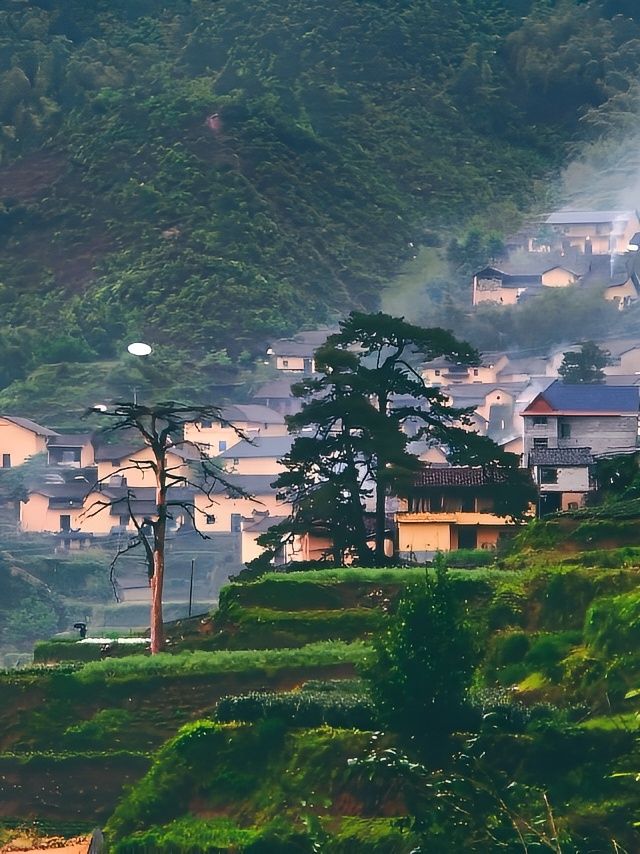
<point x="138" y="348"/>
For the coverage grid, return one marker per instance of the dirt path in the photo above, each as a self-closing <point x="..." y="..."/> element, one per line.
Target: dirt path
<point x="50" y="845"/>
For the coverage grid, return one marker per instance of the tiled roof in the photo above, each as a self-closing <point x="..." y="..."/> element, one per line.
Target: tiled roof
<point x="280" y="389"/>
<point x="69" y="440"/>
<point x="561" y="457"/>
<point x="117" y="452"/>
<point x="252" y="412"/>
<point x="584" y="217"/>
<point x="29" y="425"/>
<point x="263" y="446"/>
<point x="262" y="522"/>
<point x="590" y="397"/>
<point x="458" y="476"/>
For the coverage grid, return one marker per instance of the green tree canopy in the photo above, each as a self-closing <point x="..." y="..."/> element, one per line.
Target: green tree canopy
<point x="584" y="365"/>
<point x="423" y="663"/>
<point x="352" y="449"/>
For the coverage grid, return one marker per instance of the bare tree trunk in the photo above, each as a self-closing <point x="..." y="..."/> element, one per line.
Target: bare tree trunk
<point x="157" y="583"/>
<point x="157" y="579"/>
<point x="381" y="521"/>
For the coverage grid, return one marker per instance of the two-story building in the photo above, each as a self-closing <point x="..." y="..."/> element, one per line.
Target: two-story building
<point x="449" y="508"/>
<point x="506" y="284"/>
<point x="21" y="438"/>
<point x="258" y="456"/>
<point x="599" y="417"/>
<point x="594" y="232"/>
<point x="72" y="450"/>
<point x="564" y="477"/>
<point x="297" y="354"/>
<point x="126" y="463"/>
<point x="442" y="372"/>
<point x="242" y="419"/>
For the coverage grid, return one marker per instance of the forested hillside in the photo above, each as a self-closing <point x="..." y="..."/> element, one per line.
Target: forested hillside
<point x="210" y="174"/>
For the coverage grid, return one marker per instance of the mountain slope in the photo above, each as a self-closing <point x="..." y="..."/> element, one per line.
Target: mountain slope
<point x="208" y="175"/>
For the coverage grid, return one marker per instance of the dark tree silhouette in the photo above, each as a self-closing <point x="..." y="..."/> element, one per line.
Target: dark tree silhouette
<point x="160" y="426"/>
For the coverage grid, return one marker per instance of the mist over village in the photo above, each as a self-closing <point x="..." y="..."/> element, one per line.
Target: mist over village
<point x="319" y="426"/>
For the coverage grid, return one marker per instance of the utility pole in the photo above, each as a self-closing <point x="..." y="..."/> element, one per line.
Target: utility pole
<point x="191" y="586"/>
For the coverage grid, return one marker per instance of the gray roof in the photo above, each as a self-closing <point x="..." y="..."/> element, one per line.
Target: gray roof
<point x="29" y="425"/>
<point x="69" y="440"/>
<point x="262" y="446"/>
<point x="118" y="451"/>
<point x="252" y="484"/>
<point x="585" y="217"/>
<point x="288" y="347"/>
<point x="561" y="457"/>
<point x="279" y="389"/>
<point x="253" y="412"/>
<point x="262" y="522"/>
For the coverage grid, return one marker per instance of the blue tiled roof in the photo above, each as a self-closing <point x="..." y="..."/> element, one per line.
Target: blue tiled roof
<point x="592" y="398"/>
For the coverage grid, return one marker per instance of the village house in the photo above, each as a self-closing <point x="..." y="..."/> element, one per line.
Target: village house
<point x="20" y="439"/>
<point x="72" y="450"/>
<point x="442" y="372"/>
<point x="78" y="510"/>
<point x="446" y="509"/>
<point x="624" y="356"/>
<point x="506" y="284"/>
<point x="259" y="456"/>
<point x="238" y="420"/>
<point x="225" y="508"/>
<point x="129" y="464"/>
<point x="277" y="395"/>
<point x="526" y="275"/>
<point x="594" y="232"/>
<point x="599" y="417"/>
<point x="297" y="354"/>
<point x="564" y="477"/>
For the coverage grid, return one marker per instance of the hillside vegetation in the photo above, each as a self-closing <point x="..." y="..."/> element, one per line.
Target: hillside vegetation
<point x="207" y="177"/>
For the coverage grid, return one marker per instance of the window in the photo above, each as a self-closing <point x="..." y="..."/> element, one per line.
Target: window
<point x="210" y="519"/>
<point x="548" y="475"/>
<point x="573" y="505"/>
<point x="564" y="430"/>
<point x="468" y="504"/>
<point x="124" y="519"/>
<point x="65" y="523"/>
<point x="236" y="461"/>
<point x="206" y="423"/>
<point x="285" y="363"/>
<point x="540" y="443"/>
<point x="539" y="420"/>
<point x="6" y="461"/>
<point x="476" y="372"/>
<point x="236" y="523"/>
<point x="222" y="445"/>
<point x="437" y="372"/>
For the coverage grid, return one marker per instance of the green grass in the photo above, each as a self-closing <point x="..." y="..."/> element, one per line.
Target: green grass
<point x="188" y="664"/>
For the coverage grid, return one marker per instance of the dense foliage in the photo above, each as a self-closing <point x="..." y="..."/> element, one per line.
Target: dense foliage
<point x="422" y="665"/>
<point x="201" y="175"/>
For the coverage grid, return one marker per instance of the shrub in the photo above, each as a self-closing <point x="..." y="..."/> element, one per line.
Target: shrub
<point x="103" y="728"/>
<point x="612" y="625"/>
<point x="423" y="662"/>
<point x="510" y="648"/>
<point x="300" y="708"/>
<point x="547" y="651"/>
